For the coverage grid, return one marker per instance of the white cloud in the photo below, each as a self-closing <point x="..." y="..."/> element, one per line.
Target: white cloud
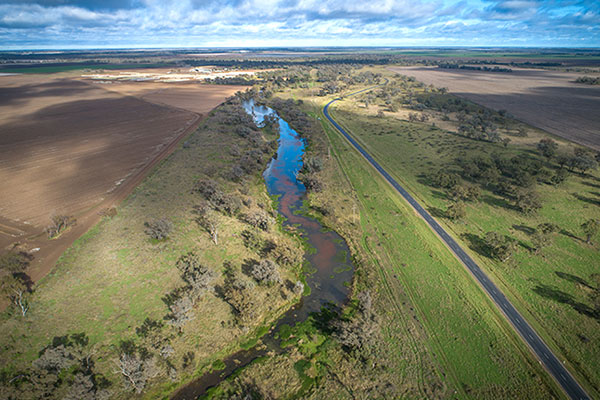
<point x="298" y="22"/>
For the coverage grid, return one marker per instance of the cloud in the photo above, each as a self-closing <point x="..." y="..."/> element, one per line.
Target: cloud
<point x="147" y="23"/>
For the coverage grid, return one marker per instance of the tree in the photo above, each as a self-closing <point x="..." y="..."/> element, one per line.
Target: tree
<point x="499" y="246"/>
<point x="360" y="331"/>
<point x="136" y="365"/>
<point x="547" y="147"/>
<point x="209" y="220"/>
<point x="540" y="240"/>
<point x="559" y="177"/>
<point x="238" y="293"/>
<point x="59" y="223"/>
<point x="265" y="271"/>
<point x="259" y="219"/>
<point x="548" y="228"/>
<point x="456" y="211"/>
<point x="14" y="283"/>
<point x="527" y="201"/>
<point x="158" y="229"/>
<point x="465" y="192"/>
<point x="197" y="276"/>
<point x="444" y="179"/>
<point x="590" y="229"/>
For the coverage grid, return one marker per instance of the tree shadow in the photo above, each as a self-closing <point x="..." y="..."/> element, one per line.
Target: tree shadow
<point x="436" y="212"/>
<point x="476" y="244"/>
<point x="559" y="296"/>
<point x="525" y="229"/>
<point x="569" y="234"/>
<point x="525" y="246"/>
<point x="497" y="202"/>
<point x="590" y="184"/>
<point x="572" y="278"/>
<point x="248" y="265"/>
<point x="438" y="194"/>
<point x="590" y="200"/>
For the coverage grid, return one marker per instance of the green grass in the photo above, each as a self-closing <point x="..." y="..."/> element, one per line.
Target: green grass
<point x="534" y="283"/>
<point x="467" y="338"/>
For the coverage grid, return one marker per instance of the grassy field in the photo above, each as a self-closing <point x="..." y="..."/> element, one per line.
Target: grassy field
<point x="552" y="287"/>
<point x="440" y="336"/>
<point x="115" y="276"/>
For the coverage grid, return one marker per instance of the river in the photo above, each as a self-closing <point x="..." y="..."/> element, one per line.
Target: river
<point x="331" y="268"/>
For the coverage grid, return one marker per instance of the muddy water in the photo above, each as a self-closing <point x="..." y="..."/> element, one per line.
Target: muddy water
<point x="330" y="266"/>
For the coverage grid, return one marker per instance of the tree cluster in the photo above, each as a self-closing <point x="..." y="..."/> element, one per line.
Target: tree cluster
<point x="64" y="369"/>
<point x="359" y="331"/>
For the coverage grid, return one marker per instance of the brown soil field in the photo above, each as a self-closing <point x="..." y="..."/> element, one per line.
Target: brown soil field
<point x="549" y="100"/>
<point x="192" y="96"/>
<point x="74" y="148"/>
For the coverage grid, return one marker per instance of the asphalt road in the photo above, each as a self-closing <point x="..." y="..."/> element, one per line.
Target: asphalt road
<point x="537" y="345"/>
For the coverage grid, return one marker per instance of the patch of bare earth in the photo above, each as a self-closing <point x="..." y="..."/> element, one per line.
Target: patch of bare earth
<point x="548" y="100"/>
<point x="74" y="148"/>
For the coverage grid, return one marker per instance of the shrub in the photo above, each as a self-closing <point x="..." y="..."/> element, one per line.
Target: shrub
<point x="266" y="272"/>
<point x="259" y="219"/>
<point x="238" y="293"/>
<point x="59" y="223"/>
<point x="158" y="229"/>
<point x="197" y="276"/>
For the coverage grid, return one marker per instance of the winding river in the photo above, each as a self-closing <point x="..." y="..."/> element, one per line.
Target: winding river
<point x="331" y="267"/>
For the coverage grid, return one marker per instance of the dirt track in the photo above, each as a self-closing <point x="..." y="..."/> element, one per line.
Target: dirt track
<point x="548" y="100"/>
<point x="68" y="147"/>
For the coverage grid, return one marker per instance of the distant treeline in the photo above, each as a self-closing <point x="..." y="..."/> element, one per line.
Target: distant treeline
<point x="474" y="68"/>
<point x="588" y="80"/>
<point x="233" y="80"/>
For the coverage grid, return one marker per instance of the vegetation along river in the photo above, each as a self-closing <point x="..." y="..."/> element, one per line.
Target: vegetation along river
<point x="330" y="268"/>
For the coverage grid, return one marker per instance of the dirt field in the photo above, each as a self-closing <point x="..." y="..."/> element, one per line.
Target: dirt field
<point x="191" y="96"/>
<point x="70" y="147"/>
<point x="548" y="100"/>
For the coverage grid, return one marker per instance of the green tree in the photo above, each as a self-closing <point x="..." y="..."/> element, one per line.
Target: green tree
<point x="527" y="201"/>
<point x="456" y="211"/>
<point x="547" y="147"/>
<point x="500" y="247"/>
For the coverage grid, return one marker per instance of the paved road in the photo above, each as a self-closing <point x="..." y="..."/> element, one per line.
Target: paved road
<point x="541" y="350"/>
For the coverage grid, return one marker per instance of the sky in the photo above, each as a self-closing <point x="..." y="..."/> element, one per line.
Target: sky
<point x="71" y="24"/>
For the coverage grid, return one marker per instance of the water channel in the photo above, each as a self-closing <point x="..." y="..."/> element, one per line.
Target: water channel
<point x="331" y="267"/>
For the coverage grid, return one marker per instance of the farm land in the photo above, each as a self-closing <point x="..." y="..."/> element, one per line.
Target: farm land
<point x="437" y="334"/>
<point x="71" y="147"/>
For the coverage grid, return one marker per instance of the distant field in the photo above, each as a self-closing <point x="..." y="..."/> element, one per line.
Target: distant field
<point x="68" y="147"/>
<point x="55" y="68"/>
<point x="549" y="100"/>
<point x="180" y="95"/>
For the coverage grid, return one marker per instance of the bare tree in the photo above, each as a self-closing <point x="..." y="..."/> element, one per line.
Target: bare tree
<point x="58" y="224"/>
<point x="209" y="220"/>
<point x="14" y="283"/>
<point x="136" y="366"/>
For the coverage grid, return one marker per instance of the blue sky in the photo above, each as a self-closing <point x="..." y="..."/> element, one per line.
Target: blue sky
<point x="40" y="24"/>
